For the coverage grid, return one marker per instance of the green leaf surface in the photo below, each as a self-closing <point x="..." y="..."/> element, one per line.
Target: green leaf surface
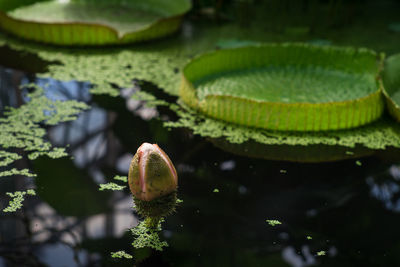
<point x="391" y="81"/>
<point x="87" y="22"/>
<point x="288" y="85"/>
<point x="292" y="86"/>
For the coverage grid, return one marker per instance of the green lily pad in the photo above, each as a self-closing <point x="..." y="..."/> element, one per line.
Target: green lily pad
<point x="391" y="80"/>
<point x="295" y="87"/>
<point x="89" y="22"/>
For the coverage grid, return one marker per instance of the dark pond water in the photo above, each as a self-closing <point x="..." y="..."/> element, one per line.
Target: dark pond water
<point x="343" y="213"/>
<point x="346" y="209"/>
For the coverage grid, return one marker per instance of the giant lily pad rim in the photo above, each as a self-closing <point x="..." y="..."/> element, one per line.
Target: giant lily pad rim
<point x="117" y="37"/>
<point x="189" y="93"/>
<point x="391" y="81"/>
<point x="190" y="61"/>
<point x="380" y="58"/>
<point x="97" y="25"/>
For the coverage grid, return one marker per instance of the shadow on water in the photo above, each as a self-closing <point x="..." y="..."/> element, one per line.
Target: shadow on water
<point x="25" y="61"/>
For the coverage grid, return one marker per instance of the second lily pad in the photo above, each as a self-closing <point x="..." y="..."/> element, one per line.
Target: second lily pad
<point x="296" y="87"/>
<point x="391" y="80"/>
<point x="88" y="22"/>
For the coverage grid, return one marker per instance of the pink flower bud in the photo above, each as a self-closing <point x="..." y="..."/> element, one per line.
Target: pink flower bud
<point x="151" y="173"/>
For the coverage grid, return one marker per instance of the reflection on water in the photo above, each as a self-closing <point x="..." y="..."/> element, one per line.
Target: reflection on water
<point x="350" y="212"/>
<point x="7" y="83"/>
<point x="385" y="187"/>
<point x="40" y="234"/>
<point x="305" y="258"/>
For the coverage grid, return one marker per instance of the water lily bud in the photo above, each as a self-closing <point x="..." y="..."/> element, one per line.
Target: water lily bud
<point x="153" y="181"/>
<point x="151" y="173"/>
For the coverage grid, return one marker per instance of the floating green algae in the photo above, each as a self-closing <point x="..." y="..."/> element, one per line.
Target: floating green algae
<point x="321" y="253"/>
<point x="17" y="198"/>
<point x="20" y="128"/>
<point x="273" y="222"/>
<point x="14" y="171"/>
<point x="121" y="178"/>
<point x="121" y="255"/>
<point x="146" y="236"/>
<point x="160" y="63"/>
<point x="113" y="186"/>
<point x="378" y="135"/>
<point x="8" y="158"/>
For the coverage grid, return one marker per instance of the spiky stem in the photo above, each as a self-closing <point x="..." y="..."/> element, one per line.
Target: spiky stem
<point x="157" y="208"/>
